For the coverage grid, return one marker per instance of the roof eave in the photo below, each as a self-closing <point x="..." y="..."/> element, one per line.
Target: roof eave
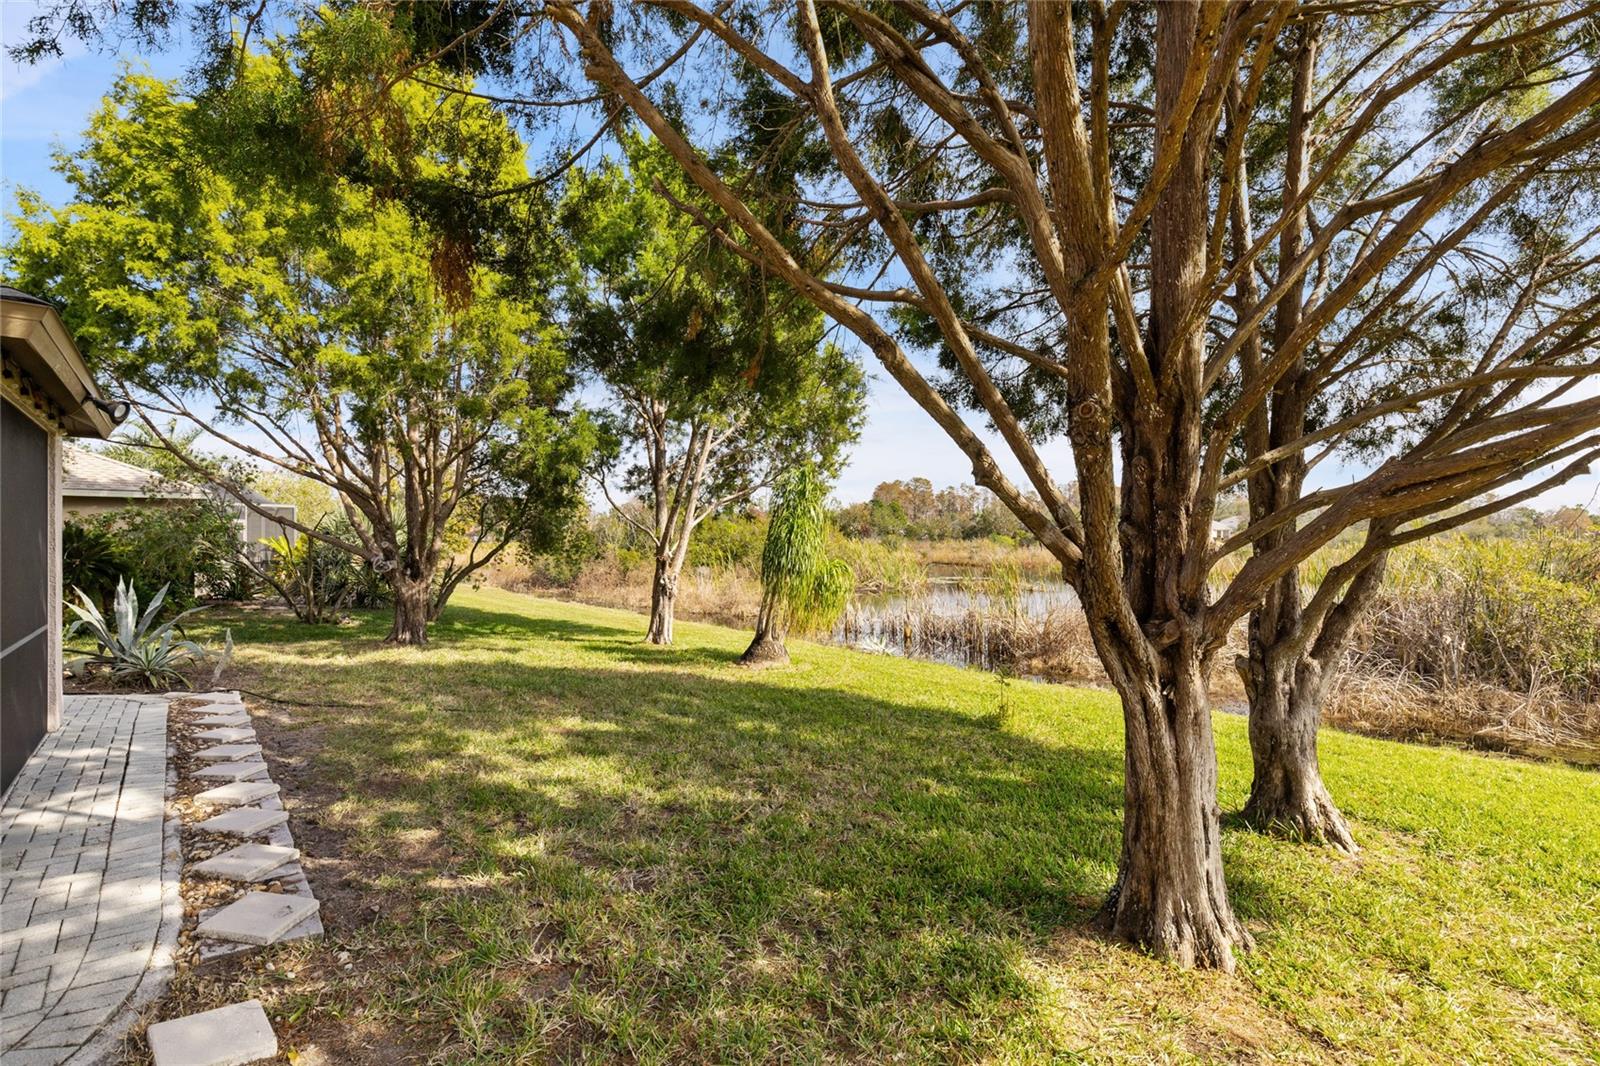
<point x="39" y="343"/>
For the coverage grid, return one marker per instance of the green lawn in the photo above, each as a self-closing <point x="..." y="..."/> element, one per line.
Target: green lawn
<point x="555" y="843"/>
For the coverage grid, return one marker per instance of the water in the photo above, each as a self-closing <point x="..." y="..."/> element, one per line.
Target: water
<point x="957" y="619"/>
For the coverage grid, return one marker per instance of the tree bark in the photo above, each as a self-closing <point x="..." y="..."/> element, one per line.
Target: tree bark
<point x="1169" y="895"/>
<point x="663" y="599"/>
<point x="1287" y="794"/>
<point x="1283" y="680"/>
<point x="1293" y="651"/>
<point x="411" y="602"/>
<point x="767" y="649"/>
<point x="1146" y="604"/>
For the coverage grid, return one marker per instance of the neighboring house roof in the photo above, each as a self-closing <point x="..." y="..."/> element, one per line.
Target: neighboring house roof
<point x="44" y="367"/>
<point x="86" y="473"/>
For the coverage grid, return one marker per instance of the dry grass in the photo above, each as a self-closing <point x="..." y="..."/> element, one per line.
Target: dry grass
<point x="1033" y="561"/>
<point x="1440" y="660"/>
<point x="724" y="596"/>
<point x="1374" y="700"/>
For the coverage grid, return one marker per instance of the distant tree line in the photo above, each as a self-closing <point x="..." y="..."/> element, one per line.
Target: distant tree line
<point x="915" y="510"/>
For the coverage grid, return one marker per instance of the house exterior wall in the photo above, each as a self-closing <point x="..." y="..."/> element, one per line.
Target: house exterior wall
<point x="259" y="527"/>
<point x="89" y="506"/>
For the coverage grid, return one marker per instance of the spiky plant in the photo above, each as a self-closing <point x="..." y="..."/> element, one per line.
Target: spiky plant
<point x="130" y="645"/>
<point x="802" y="589"/>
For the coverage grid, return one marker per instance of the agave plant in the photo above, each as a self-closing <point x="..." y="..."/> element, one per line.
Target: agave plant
<point x="131" y="645"/>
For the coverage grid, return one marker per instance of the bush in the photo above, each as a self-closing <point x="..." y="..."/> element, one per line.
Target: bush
<point x="319" y="580"/>
<point x="561" y="566"/>
<point x="192" y="548"/>
<point x="723" y="542"/>
<point x="90" y="561"/>
<point x="1521" y="613"/>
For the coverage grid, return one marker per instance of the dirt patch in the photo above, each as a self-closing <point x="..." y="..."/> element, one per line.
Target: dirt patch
<point x="314" y="990"/>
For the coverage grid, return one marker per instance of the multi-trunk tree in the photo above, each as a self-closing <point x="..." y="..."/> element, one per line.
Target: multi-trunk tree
<point x="718" y="376"/>
<point x="1040" y="199"/>
<point x="1033" y="192"/>
<point x="1493" y="308"/>
<point x="294" y="318"/>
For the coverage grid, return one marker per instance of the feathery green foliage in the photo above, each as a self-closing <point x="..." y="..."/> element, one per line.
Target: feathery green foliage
<point x="822" y="597"/>
<point x="806" y="587"/>
<point x="298" y="317"/>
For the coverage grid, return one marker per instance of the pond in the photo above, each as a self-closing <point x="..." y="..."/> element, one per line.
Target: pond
<point x="961" y="619"/>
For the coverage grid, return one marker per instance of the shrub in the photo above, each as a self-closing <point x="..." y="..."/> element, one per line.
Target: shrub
<point x="191" y="548"/>
<point x="303" y="572"/>
<point x="1521" y="613"/>
<point x="725" y="542"/>
<point x="90" y="561"/>
<point x="319" y="580"/>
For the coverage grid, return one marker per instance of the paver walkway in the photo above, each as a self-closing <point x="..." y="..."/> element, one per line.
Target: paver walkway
<point x="81" y="871"/>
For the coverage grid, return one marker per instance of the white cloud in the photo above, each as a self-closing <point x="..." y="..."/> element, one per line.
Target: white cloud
<point x="16" y="77"/>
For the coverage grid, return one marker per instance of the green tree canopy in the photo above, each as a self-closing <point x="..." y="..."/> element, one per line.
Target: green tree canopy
<point x="296" y="319"/>
<point x="719" y="378"/>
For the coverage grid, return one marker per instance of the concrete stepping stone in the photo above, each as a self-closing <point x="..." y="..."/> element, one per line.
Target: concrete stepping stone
<point x="258" y="918"/>
<point x="229" y="752"/>
<point x="231" y="771"/>
<point x="243" y="821"/>
<point x="237" y="793"/>
<point x="232" y="734"/>
<point x="234" y="1035"/>
<point x="221" y="949"/>
<point x="238" y="717"/>
<point x="247" y="862"/>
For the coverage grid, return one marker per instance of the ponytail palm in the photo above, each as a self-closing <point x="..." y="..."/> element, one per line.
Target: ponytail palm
<point x="802" y="589"/>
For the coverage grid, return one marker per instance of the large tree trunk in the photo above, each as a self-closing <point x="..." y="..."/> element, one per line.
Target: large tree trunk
<point x="767" y="649"/>
<point x="663" y="599"/>
<point x="411" y="603"/>
<point x="1286" y="793"/>
<point x="1285" y="677"/>
<point x="1169" y="895"/>
<point x="1146" y="607"/>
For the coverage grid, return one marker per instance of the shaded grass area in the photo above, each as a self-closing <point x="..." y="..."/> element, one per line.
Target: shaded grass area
<point x="543" y="840"/>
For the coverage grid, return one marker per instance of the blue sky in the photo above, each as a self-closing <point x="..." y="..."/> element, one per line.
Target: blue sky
<point x="47" y="105"/>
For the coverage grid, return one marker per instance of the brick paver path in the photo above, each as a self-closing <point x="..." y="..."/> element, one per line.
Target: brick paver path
<point x="81" y="870"/>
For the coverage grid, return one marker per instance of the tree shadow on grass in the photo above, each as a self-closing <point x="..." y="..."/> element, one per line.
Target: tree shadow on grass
<point x="363" y="632"/>
<point x="622" y="643"/>
<point x="890" y="859"/>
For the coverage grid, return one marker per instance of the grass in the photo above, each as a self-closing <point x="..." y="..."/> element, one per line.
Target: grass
<point x="543" y="840"/>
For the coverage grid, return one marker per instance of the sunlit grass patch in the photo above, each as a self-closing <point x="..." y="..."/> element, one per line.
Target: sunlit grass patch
<point x="582" y="847"/>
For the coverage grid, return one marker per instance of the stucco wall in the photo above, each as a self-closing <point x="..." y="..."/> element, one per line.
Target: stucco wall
<point x="89" y="506"/>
